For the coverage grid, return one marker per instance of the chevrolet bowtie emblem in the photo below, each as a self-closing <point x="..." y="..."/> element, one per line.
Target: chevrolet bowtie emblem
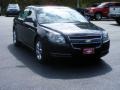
<point x="88" y="41"/>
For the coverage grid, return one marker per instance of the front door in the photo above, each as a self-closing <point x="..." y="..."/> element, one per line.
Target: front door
<point x="30" y="30"/>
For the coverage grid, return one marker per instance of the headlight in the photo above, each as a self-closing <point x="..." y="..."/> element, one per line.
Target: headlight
<point x="91" y="11"/>
<point x="105" y="36"/>
<point x="56" y="38"/>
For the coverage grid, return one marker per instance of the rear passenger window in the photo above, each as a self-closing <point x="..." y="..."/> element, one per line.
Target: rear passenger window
<point x="110" y="4"/>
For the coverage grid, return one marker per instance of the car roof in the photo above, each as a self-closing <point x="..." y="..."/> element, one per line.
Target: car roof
<point x="39" y="7"/>
<point x="112" y="2"/>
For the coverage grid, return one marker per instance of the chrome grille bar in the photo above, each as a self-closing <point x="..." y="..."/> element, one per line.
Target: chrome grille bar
<point x="78" y="42"/>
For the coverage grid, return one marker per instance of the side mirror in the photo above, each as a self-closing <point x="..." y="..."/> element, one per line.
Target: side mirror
<point x="29" y="13"/>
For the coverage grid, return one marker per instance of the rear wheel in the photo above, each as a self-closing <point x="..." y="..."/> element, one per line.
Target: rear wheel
<point x="98" y="16"/>
<point x="7" y="15"/>
<point x="118" y="21"/>
<point x="15" y="39"/>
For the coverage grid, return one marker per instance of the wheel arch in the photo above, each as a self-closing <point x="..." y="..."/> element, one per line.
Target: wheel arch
<point x="98" y="12"/>
<point x="35" y="39"/>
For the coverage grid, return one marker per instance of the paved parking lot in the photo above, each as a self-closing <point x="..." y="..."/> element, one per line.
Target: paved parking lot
<point x="20" y="71"/>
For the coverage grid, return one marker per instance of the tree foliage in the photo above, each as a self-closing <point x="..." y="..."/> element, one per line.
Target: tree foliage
<point x="71" y="3"/>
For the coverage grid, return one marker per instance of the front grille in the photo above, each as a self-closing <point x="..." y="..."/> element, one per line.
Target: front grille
<point x="85" y="41"/>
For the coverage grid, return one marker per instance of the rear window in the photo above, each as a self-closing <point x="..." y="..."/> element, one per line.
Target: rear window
<point x="117" y="4"/>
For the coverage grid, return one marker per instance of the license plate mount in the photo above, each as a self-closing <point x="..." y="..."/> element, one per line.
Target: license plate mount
<point x="88" y="51"/>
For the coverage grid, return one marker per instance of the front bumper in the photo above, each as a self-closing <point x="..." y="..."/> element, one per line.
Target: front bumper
<point x="12" y="12"/>
<point x="68" y="51"/>
<point x="114" y="15"/>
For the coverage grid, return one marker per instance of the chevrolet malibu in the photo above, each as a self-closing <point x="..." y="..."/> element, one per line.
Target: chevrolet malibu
<point x="56" y="31"/>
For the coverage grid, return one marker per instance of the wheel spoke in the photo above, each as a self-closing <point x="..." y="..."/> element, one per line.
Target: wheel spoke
<point x="14" y="37"/>
<point x="39" y="50"/>
<point x="98" y="16"/>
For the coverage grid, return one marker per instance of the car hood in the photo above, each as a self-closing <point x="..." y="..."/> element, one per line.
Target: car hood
<point x="93" y="8"/>
<point x="89" y="8"/>
<point x="73" y="28"/>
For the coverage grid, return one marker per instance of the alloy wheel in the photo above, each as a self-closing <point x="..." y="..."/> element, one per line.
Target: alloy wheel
<point x="98" y="16"/>
<point x="39" y="51"/>
<point x="14" y="37"/>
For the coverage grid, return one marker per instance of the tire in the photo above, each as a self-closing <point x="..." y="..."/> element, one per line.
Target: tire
<point x="118" y="21"/>
<point x="96" y="59"/>
<point x="98" y="16"/>
<point x="40" y="52"/>
<point x="7" y="15"/>
<point x="15" y="39"/>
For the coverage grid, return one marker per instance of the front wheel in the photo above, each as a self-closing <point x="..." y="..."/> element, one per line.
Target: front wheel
<point x="39" y="51"/>
<point x="98" y="16"/>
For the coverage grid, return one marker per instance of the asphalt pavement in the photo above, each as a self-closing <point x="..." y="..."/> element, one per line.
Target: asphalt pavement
<point x="20" y="71"/>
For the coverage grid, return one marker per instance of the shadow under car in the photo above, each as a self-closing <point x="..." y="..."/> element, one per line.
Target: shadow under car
<point x="59" y="69"/>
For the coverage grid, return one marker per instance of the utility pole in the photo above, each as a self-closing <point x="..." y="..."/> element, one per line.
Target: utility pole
<point x="1" y="5"/>
<point x="78" y="3"/>
<point x="1" y="2"/>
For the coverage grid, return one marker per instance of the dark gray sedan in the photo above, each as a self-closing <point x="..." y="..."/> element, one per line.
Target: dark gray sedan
<point x="55" y="31"/>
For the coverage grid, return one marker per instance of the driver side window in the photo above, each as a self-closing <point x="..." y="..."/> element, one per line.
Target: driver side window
<point x="23" y="14"/>
<point x="109" y="5"/>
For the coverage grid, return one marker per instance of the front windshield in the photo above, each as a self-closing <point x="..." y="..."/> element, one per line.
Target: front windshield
<point x="13" y="6"/>
<point x="59" y="15"/>
<point x="101" y="5"/>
